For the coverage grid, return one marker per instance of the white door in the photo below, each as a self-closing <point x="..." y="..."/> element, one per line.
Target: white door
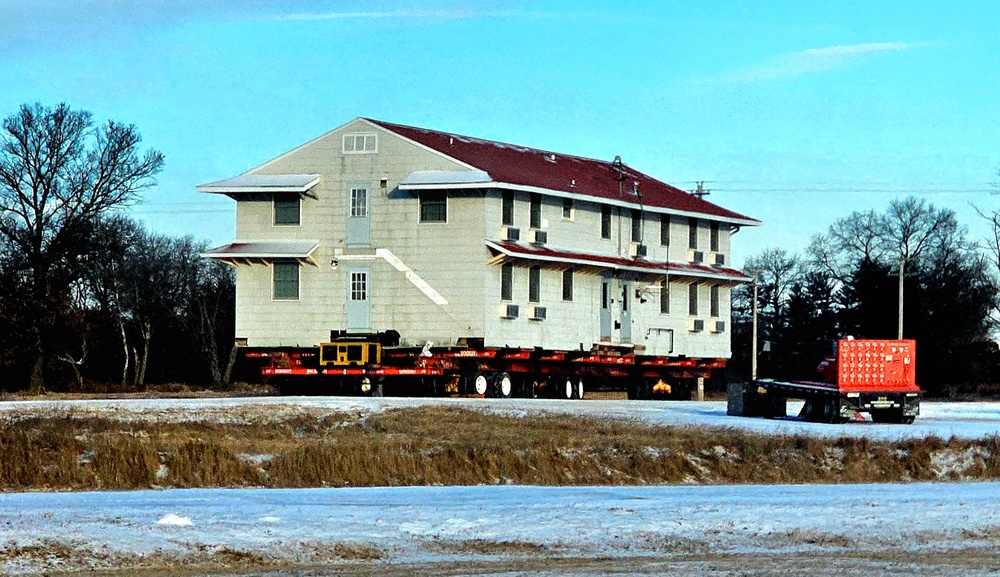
<point x="359" y="230"/>
<point x="359" y="304"/>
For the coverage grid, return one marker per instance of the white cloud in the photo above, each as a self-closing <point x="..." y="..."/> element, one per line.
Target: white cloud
<point x="815" y="60"/>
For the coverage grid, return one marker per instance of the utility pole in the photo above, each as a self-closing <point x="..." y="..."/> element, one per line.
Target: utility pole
<point x="701" y="192"/>
<point x="753" y="358"/>
<point x="902" y="263"/>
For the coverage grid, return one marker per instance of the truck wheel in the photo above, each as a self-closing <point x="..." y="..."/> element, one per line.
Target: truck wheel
<point x="501" y="386"/>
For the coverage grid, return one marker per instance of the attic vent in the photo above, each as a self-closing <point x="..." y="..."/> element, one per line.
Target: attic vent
<point x="451" y="141"/>
<point x="550" y="157"/>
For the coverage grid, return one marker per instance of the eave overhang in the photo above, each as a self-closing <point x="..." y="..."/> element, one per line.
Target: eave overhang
<point x="264" y="252"/>
<point x="561" y="257"/>
<point x="262" y="186"/>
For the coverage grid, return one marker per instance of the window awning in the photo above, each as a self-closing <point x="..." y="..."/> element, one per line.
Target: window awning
<point x="436" y="179"/>
<point x="559" y="256"/>
<point x="264" y="251"/>
<point x="262" y="186"/>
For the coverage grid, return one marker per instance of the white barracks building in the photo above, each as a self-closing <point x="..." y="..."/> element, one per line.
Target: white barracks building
<point x="450" y="239"/>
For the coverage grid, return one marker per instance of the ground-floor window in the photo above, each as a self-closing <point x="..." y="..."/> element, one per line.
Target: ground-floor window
<point x="534" y="284"/>
<point x="285" y="280"/>
<point x="567" y="284"/>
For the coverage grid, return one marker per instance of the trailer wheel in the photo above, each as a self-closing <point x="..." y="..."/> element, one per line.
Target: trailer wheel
<point x="579" y="388"/>
<point x="568" y="389"/>
<point x="479" y="384"/>
<point x="501" y="386"/>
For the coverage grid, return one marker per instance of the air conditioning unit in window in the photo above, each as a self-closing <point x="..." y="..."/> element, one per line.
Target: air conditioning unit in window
<point x="510" y="233"/>
<point x="696" y="256"/>
<point x="508" y="311"/>
<point x="536" y="313"/>
<point x="720" y="327"/>
<point x="696" y="325"/>
<point x="636" y="250"/>
<point x="538" y="237"/>
<point x="718" y="259"/>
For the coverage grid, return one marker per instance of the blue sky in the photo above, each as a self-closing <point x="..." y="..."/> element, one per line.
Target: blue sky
<point x="794" y="113"/>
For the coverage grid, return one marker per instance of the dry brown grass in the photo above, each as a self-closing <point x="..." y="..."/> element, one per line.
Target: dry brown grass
<point x="452" y="446"/>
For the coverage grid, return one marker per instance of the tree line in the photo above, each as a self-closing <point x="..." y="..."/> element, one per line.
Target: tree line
<point x="847" y="283"/>
<point x="85" y="292"/>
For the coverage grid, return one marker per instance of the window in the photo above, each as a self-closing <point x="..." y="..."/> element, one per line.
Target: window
<point x="605" y="221"/>
<point x="287" y="211"/>
<point x="285" y="280"/>
<point x="359" y="202"/>
<point x="665" y="296"/>
<point x="636" y="225"/>
<point x="693" y="299"/>
<point x="508" y="208"/>
<point x="714" y="239"/>
<point x="359" y="286"/>
<point x="534" y="284"/>
<point x="507" y="282"/>
<point x="568" y="208"/>
<point x="433" y="207"/>
<point x="604" y="296"/>
<point x="568" y="284"/>
<point x="714" y="300"/>
<point x="536" y="211"/>
<point x="360" y="143"/>
<point x="664" y="230"/>
<point x="693" y="233"/>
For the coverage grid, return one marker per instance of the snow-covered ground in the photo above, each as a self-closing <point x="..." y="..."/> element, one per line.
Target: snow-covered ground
<point x="966" y="420"/>
<point x="424" y="530"/>
<point x="393" y="526"/>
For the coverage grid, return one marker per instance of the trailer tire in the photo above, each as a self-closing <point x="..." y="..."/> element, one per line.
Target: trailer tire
<point x="501" y="386"/>
<point x="568" y="389"/>
<point x="579" y="388"/>
<point x="479" y="384"/>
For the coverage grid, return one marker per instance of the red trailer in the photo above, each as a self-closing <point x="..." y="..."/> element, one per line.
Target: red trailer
<point x="373" y="364"/>
<point x="877" y="377"/>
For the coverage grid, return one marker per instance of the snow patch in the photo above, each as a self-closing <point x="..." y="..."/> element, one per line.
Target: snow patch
<point x="175" y="520"/>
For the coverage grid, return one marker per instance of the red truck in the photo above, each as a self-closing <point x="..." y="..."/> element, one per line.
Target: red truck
<point x="877" y="377"/>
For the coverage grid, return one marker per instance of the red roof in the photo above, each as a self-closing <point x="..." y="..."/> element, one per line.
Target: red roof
<point x="550" y="254"/>
<point x="519" y="165"/>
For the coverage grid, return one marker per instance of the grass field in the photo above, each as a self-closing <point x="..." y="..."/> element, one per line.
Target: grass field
<point x="451" y="446"/>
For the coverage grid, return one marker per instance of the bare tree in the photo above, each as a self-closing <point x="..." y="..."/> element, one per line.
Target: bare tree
<point x="776" y="272"/>
<point x="58" y="174"/>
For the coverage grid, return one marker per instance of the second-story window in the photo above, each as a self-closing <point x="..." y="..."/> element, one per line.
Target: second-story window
<point x="359" y="202"/>
<point x="605" y="221"/>
<point x="665" y="295"/>
<point x="534" y="284"/>
<point x="693" y="299"/>
<point x="693" y="233"/>
<point x="714" y="238"/>
<point x="568" y="208"/>
<point x="636" y="225"/>
<point x="536" y="211"/>
<point x="508" y="208"/>
<point x="287" y="211"/>
<point x="664" y="230"/>
<point x="433" y="206"/>
<point x="714" y="301"/>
